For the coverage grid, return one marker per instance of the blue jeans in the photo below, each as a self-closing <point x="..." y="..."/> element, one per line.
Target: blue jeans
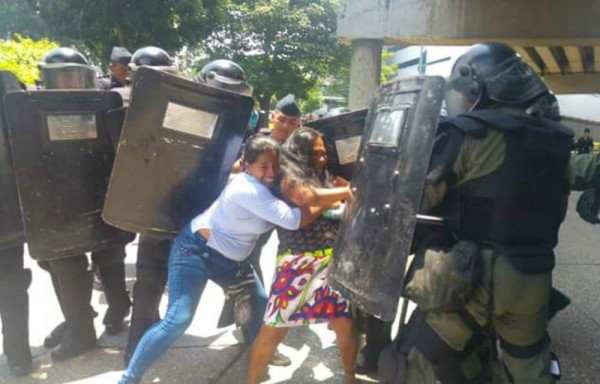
<point x="191" y="265"/>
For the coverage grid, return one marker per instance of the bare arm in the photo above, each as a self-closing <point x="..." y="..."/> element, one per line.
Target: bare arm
<point x="340" y="182"/>
<point x="313" y="201"/>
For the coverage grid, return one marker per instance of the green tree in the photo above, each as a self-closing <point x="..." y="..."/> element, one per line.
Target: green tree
<point x="313" y="101"/>
<point x="21" y="56"/>
<point x="100" y="25"/>
<point x="283" y="45"/>
<point x="17" y="17"/>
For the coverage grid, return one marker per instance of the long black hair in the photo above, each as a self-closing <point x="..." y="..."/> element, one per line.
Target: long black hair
<point x="297" y="162"/>
<point x="258" y="145"/>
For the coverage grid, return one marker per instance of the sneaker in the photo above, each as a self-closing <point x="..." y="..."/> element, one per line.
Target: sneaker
<point x="554" y="366"/>
<point x="280" y="360"/>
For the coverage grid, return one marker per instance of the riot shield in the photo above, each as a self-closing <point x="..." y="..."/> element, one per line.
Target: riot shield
<point x="375" y="237"/>
<point x="11" y="223"/>
<point x="63" y="158"/>
<point x="343" y="134"/>
<point x="178" y="144"/>
<point x="114" y="124"/>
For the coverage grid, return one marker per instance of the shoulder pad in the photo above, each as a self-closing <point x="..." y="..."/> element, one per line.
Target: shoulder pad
<point x="476" y="123"/>
<point x="466" y="124"/>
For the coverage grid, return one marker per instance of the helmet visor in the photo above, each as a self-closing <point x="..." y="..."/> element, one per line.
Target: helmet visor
<point x="68" y="76"/>
<point x="455" y="99"/>
<point x="229" y="84"/>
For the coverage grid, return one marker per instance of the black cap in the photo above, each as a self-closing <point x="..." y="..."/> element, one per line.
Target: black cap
<point x="288" y="106"/>
<point x="120" y="55"/>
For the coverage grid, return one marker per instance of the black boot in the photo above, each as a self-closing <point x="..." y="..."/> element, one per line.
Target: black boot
<point x="56" y="335"/>
<point x="146" y="300"/>
<point x="76" y="293"/>
<point x="378" y="336"/>
<point x="14" y="312"/>
<point x="117" y="297"/>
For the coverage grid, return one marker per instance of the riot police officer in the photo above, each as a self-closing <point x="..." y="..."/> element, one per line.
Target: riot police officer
<point x="500" y="176"/>
<point x="65" y="68"/>
<point x="14" y="278"/>
<point x="153" y="252"/>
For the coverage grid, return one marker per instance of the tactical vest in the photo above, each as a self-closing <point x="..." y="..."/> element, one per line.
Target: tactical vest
<point x="517" y="209"/>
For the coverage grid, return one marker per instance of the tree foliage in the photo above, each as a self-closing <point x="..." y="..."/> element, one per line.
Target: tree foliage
<point x="17" y="17"/>
<point x="100" y="25"/>
<point x="283" y="45"/>
<point x="21" y="56"/>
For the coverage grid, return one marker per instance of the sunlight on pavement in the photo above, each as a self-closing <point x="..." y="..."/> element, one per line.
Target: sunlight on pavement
<point x="103" y="378"/>
<point x="284" y="374"/>
<point x="322" y="373"/>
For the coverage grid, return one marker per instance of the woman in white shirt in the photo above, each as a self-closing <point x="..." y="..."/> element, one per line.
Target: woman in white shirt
<point x="216" y="244"/>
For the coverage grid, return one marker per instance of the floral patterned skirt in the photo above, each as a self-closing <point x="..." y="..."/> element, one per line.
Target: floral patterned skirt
<point x="299" y="293"/>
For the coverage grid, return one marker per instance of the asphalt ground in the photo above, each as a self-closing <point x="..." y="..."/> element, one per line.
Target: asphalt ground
<point x="207" y="354"/>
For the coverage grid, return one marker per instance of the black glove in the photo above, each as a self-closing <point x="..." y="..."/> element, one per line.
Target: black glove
<point x="588" y="206"/>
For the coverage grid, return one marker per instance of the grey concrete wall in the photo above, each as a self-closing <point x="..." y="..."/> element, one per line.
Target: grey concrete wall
<point x="456" y="22"/>
<point x="365" y="70"/>
<point x="578" y="125"/>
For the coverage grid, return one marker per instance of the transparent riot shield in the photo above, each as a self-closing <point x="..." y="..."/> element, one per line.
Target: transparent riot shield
<point x="343" y="135"/>
<point x="175" y="153"/>
<point x="11" y="223"/>
<point x="63" y="158"/>
<point x="375" y="237"/>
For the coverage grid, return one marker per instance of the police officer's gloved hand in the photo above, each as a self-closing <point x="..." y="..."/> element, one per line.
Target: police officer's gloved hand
<point x="588" y="206"/>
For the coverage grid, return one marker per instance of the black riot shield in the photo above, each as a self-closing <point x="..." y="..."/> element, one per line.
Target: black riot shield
<point x="63" y="158"/>
<point x="343" y="134"/>
<point x="178" y="144"/>
<point x="11" y="223"/>
<point x="114" y="124"/>
<point x="375" y="237"/>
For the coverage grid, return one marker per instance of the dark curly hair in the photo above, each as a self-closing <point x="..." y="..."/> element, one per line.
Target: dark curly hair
<point x="297" y="159"/>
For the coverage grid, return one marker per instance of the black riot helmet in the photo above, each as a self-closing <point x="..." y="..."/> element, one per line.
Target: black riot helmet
<point x="153" y="57"/>
<point x="546" y="106"/>
<point x="64" y="55"/>
<point x="225" y="74"/>
<point x="66" y="68"/>
<point x="491" y="73"/>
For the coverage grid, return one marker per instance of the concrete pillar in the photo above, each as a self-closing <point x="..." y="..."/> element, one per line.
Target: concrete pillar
<point x="365" y="72"/>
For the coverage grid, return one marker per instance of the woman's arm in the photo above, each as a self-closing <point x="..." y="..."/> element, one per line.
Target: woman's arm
<point x="306" y="196"/>
<point x="340" y="182"/>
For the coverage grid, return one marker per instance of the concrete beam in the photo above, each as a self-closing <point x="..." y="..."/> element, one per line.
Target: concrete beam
<point x="464" y="22"/>
<point x="574" y="57"/>
<point x="365" y="72"/>
<point x="528" y="59"/>
<point x="549" y="60"/>
<point x="596" y="59"/>
<point x="573" y="84"/>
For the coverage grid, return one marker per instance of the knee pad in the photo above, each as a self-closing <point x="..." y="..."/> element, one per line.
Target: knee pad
<point x="523" y="352"/>
<point x="446" y="362"/>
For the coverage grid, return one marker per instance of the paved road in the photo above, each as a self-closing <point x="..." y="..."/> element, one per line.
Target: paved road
<point x="210" y="355"/>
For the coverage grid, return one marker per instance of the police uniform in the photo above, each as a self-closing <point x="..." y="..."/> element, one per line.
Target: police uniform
<point x="501" y="177"/>
<point x="14" y="278"/>
<point x="14" y="308"/>
<point x="153" y="252"/>
<point x="71" y="278"/>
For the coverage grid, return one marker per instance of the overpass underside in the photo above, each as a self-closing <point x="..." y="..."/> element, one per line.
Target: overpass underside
<point x="560" y="39"/>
